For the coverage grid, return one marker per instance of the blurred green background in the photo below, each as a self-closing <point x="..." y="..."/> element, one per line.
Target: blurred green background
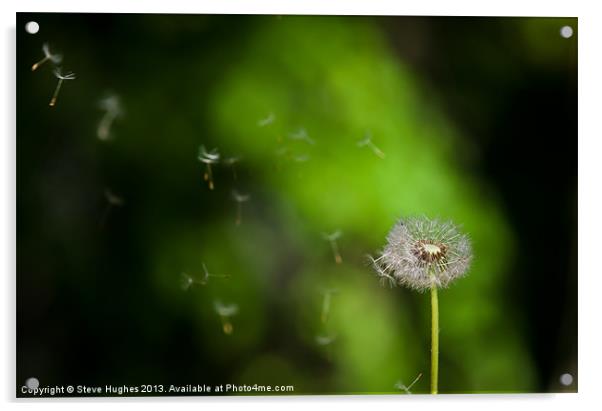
<point x="475" y="120"/>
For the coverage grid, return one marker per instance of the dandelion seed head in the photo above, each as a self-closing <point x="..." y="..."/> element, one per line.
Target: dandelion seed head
<point x="301" y="158"/>
<point x="225" y="310"/>
<point x="367" y="142"/>
<point x="55" y="58"/>
<point x="186" y="281"/>
<point x="266" y="121"/>
<point x="239" y="197"/>
<point x="208" y="157"/>
<point x="421" y="252"/>
<point x="58" y="73"/>
<point x="113" y="199"/>
<point x="335" y="235"/>
<point x="113" y="109"/>
<point x="325" y="339"/>
<point x="329" y="291"/>
<point x="301" y="134"/>
<point x="111" y="104"/>
<point x="207" y="274"/>
<point x="232" y="160"/>
<point x="281" y="151"/>
<point x="364" y="141"/>
<point x="402" y="387"/>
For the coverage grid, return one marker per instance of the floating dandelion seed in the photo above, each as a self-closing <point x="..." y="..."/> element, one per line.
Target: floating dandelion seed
<point x="239" y="199"/>
<point x="48" y="56"/>
<point x="425" y="254"/>
<point x="301" y="158"/>
<point x="401" y="387"/>
<point x="282" y="151"/>
<point x="112" y="201"/>
<point x="61" y="77"/>
<point x="207" y="274"/>
<point x="112" y="107"/>
<point x="208" y="157"/>
<point x="231" y="162"/>
<point x="267" y="120"/>
<point x="282" y="155"/>
<point x="367" y="142"/>
<point x="384" y="277"/>
<point x="301" y="135"/>
<point x="225" y="312"/>
<point x="324" y="340"/>
<point x="326" y="303"/>
<point x="332" y="239"/>
<point x="188" y="281"/>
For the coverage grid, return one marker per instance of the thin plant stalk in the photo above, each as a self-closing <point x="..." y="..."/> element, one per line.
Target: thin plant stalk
<point x="56" y="93"/>
<point x="226" y="325"/>
<point x="208" y="176"/>
<point x="376" y="150"/>
<point x="104" y="126"/>
<point x="239" y="198"/>
<point x="39" y="63"/>
<point x="434" y="339"/>
<point x="325" y="308"/>
<point x="225" y="312"/>
<point x="332" y="239"/>
<point x="208" y="158"/>
<point x="335" y="250"/>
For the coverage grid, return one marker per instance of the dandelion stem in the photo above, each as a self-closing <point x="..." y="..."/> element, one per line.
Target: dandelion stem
<point x="434" y="338"/>
<point x="56" y="93"/>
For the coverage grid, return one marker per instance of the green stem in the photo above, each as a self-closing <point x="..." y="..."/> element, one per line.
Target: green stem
<point x="434" y="339"/>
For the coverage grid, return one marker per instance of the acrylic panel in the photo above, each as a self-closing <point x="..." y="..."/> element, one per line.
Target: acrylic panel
<point x="295" y="205"/>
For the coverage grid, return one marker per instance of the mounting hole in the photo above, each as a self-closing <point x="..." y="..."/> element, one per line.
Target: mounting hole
<point x="32" y="27"/>
<point x="566" y="32"/>
<point x="566" y="379"/>
<point x="32" y="383"/>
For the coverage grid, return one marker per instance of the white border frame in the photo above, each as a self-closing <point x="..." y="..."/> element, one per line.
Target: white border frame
<point x="590" y="204"/>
